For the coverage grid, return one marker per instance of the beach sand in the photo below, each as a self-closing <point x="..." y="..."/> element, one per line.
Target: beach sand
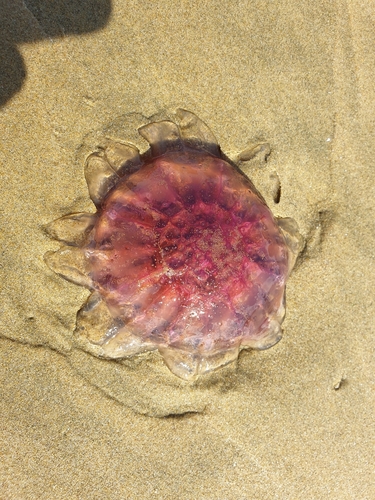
<point x="293" y="422"/>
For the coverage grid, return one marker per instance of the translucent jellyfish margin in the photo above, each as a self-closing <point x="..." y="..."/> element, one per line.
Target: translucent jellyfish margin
<point x="103" y="170"/>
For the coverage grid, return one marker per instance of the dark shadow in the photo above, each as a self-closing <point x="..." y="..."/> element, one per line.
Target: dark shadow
<point x="12" y="71"/>
<point x="25" y="21"/>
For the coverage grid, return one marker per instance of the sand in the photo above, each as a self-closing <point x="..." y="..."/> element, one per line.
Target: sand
<point x="295" y="421"/>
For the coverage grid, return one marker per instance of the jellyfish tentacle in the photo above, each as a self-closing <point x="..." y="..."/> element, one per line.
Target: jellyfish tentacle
<point x="123" y="158"/>
<point x="101" y="334"/>
<point x="72" y="229"/>
<point x="293" y="239"/>
<point x="268" y="337"/>
<point x="162" y="136"/>
<point x="189" y="365"/>
<point x="100" y="177"/>
<point x="70" y="263"/>
<point x="195" y="132"/>
<point x="262" y="148"/>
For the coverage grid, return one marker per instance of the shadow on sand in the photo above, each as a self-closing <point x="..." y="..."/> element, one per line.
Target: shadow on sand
<point x="25" y="21"/>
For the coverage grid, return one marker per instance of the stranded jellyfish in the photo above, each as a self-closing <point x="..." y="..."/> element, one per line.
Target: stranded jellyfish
<point x="182" y="255"/>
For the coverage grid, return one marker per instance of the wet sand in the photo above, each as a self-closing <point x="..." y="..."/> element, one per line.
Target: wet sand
<point x="295" y="421"/>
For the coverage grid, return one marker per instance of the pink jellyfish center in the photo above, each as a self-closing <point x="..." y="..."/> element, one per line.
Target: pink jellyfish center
<point x="186" y="254"/>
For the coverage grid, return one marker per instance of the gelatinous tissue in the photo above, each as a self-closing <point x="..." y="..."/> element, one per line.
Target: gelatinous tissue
<point x="182" y="255"/>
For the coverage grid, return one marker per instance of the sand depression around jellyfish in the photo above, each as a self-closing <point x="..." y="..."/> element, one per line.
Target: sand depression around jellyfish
<point x="182" y="255"/>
